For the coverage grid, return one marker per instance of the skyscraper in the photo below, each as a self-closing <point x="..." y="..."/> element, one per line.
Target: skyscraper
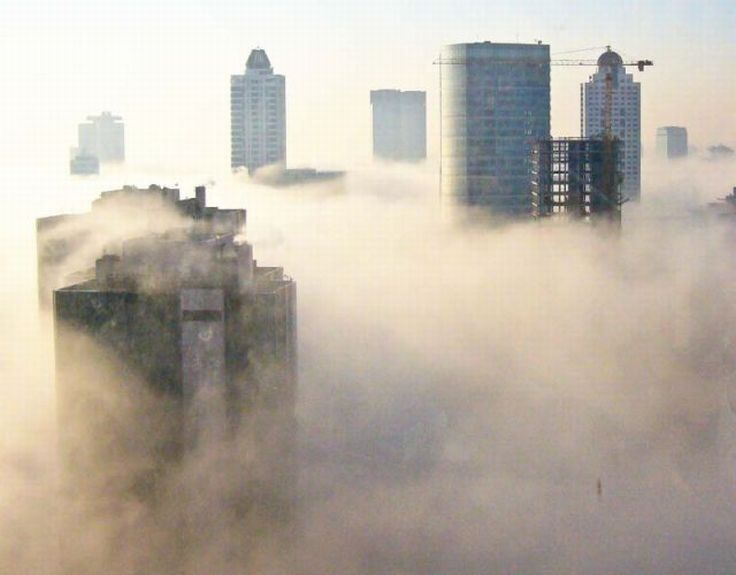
<point x="178" y="351"/>
<point x="672" y="142"/>
<point x="399" y="124"/>
<point x="612" y="86"/>
<point x="103" y="137"/>
<point x="257" y="115"/>
<point x="495" y="103"/>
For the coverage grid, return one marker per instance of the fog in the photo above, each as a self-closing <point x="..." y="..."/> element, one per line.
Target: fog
<point x="535" y="398"/>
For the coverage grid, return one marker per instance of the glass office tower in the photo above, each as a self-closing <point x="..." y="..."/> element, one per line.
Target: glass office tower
<point x="495" y="104"/>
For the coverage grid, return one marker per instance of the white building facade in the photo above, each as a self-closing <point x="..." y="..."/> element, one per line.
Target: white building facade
<point x="103" y="137"/>
<point x="625" y="116"/>
<point x="257" y="115"/>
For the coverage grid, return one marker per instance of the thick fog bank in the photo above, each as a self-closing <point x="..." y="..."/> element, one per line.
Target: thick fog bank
<point x="535" y="398"/>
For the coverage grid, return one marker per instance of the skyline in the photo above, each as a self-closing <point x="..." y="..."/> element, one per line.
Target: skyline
<point x="470" y="398"/>
<point x="155" y="64"/>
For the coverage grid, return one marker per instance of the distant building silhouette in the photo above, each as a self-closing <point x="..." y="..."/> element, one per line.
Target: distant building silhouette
<point x="103" y="136"/>
<point x="399" y="125"/>
<point x="83" y="164"/>
<point x="257" y="115"/>
<point x="495" y="103"/>
<point x="625" y="115"/>
<point x="720" y="151"/>
<point x="672" y="142"/>
<point x="283" y="178"/>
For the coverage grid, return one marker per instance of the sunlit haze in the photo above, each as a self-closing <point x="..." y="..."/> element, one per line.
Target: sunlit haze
<point x="165" y="66"/>
<point x="536" y="397"/>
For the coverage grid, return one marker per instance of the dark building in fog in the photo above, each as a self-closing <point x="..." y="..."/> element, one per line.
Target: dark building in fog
<point x="399" y="125"/>
<point x="187" y="310"/>
<point x="70" y="243"/>
<point x="495" y="103"/>
<point x="672" y="142"/>
<point x="577" y="178"/>
<point x="210" y="336"/>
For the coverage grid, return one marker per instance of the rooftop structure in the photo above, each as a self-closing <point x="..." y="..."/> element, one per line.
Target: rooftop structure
<point x="70" y="243"/>
<point x="283" y="178"/>
<point x="724" y="207"/>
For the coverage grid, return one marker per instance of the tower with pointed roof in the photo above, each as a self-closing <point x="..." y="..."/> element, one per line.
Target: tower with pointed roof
<point x="625" y="116"/>
<point x="257" y="115"/>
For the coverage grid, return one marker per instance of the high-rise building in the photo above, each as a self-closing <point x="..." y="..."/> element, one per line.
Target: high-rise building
<point x="672" y="142"/>
<point x="257" y="115"/>
<point x="103" y="136"/>
<point x="612" y="91"/>
<point x="576" y="178"/>
<point x="178" y="351"/>
<point x="399" y="124"/>
<point x="495" y="103"/>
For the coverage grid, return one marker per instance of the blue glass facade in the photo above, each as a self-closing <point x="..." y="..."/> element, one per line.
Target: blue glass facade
<point x="495" y="105"/>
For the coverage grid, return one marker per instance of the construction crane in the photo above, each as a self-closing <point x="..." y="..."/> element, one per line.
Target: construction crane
<point x="608" y="103"/>
<point x="612" y="196"/>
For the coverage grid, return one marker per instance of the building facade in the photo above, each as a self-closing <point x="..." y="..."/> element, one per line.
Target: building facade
<point x="176" y="386"/>
<point x="495" y="103"/>
<point x="399" y="125"/>
<point x="103" y="136"/>
<point x="612" y="91"/>
<point x="672" y="142"/>
<point x="576" y="178"/>
<point x="257" y="115"/>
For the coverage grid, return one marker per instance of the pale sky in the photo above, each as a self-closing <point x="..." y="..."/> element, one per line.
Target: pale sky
<point x="164" y="65"/>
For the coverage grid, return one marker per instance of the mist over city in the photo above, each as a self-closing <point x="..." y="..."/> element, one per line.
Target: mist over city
<point x="387" y="289"/>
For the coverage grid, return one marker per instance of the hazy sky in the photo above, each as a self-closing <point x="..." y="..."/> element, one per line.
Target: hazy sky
<point x="631" y="394"/>
<point x="165" y="65"/>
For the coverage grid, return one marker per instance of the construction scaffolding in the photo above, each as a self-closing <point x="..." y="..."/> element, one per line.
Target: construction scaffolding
<point x="576" y="178"/>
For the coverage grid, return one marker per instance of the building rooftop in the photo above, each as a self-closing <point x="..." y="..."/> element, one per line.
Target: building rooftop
<point x="67" y="243"/>
<point x="488" y="43"/>
<point x="610" y="58"/>
<point x="258" y="60"/>
<point x="179" y="259"/>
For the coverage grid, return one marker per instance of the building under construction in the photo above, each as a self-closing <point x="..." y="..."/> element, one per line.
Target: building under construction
<point x="576" y="178"/>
